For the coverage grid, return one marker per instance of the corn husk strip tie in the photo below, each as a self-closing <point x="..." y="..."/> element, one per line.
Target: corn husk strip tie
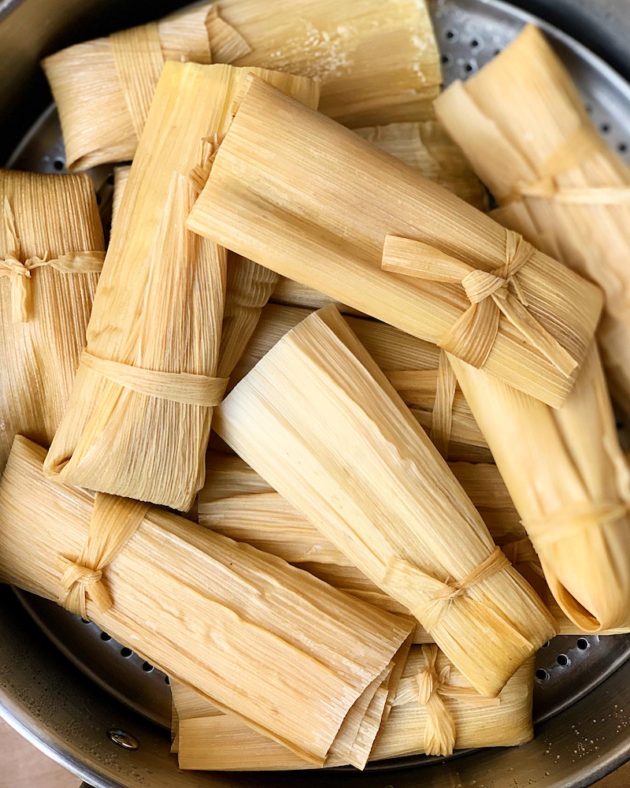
<point x="445" y="592"/>
<point x="181" y="387"/>
<point x="19" y="270"/>
<point x="429" y="688"/>
<point x="472" y="336"/>
<point x="570" y="521"/>
<point x="114" y="521"/>
<point x="139" y="62"/>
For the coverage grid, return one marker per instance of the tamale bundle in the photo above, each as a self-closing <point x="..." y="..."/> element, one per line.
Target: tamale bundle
<point x="570" y="483"/>
<point x="548" y="156"/>
<point x="202" y="607"/>
<point x="51" y="250"/>
<point x="103" y="88"/>
<point x="322" y="424"/>
<point x="147" y="381"/>
<point x="412" y="366"/>
<point x="377" y="62"/>
<point x="276" y="196"/>
<point x="435" y="711"/>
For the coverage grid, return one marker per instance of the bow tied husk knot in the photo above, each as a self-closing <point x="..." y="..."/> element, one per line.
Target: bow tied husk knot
<point x="19" y="270"/>
<point x="429" y="688"/>
<point x="490" y="293"/>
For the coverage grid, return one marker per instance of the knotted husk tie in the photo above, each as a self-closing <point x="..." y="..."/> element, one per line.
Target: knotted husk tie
<point x="584" y="142"/>
<point x="114" y="521"/>
<point x="18" y="268"/>
<point x="472" y="336"/>
<point x="429" y="688"/>
<point x="444" y="593"/>
<point x="570" y="521"/>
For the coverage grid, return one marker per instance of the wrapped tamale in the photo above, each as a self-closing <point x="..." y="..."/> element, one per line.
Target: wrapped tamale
<point x="103" y="88"/>
<point x="51" y="250"/>
<point x="216" y="615"/>
<point x="377" y="62"/>
<point x="412" y="366"/>
<point x="435" y="711"/>
<point x="548" y="156"/>
<point x="322" y="424"/>
<point x="138" y="419"/>
<point x="313" y="201"/>
<point x="570" y="484"/>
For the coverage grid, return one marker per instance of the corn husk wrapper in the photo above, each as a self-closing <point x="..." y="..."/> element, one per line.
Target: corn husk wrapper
<point x="294" y="215"/>
<point x="158" y="310"/>
<point x="103" y="88"/>
<point x="548" y="157"/>
<point x="410" y="364"/>
<point x="376" y="62"/>
<point x="204" y="608"/>
<point x="121" y="176"/>
<point x="44" y="217"/>
<point x="209" y="740"/>
<point x="359" y="484"/>
<point x="570" y="483"/>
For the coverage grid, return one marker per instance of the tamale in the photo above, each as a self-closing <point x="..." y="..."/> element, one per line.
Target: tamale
<point x="365" y="474"/>
<point x="377" y="63"/>
<point x="570" y="484"/>
<point x="199" y="605"/>
<point x="453" y="716"/>
<point x="548" y="155"/>
<point x="51" y="249"/>
<point x="103" y="88"/>
<point x="411" y="365"/>
<point x="147" y="382"/>
<point x="276" y="196"/>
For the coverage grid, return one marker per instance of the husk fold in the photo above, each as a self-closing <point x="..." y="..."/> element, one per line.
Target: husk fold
<point x="296" y="215"/>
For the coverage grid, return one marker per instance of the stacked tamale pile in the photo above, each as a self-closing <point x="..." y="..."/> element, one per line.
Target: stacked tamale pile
<point x="414" y="479"/>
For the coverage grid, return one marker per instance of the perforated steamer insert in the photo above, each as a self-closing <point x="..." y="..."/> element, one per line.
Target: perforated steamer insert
<point x="470" y="33"/>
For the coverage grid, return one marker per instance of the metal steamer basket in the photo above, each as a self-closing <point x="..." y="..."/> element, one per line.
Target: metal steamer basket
<point x="102" y="711"/>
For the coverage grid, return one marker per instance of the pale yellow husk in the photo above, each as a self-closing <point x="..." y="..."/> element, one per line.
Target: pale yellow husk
<point x="570" y="483"/>
<point x="410" y="364"/>
<point x="547" y="155"/>
<point x="95" y="116"/>
<point x="212" y="741"/>
<point x="365" y="474"/>
<point x="159" y="307"/>
<point x="121" y="176"/>
<point x="54" y="215"/>
<point x="216" y="615"/>
<point x="275" y="195"/>
<point x="377" y="63"/>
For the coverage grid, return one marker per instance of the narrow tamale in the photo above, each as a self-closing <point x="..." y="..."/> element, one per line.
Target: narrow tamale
<point x="435" y="711"/>
<point x="199" y="605"/>
<point x="377" y="62"/>
<point x="311" y="200"/>
<point x="103" y="88"/>
<point x="322" y="424"/>
<point x="412" y="366"/>
<point x="147" y="382"/>
<point x="548" y="155"/>
<point x="570" y="483"/>
<point x="51" y="249"/>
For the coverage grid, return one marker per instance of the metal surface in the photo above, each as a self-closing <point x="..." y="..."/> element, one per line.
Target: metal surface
<point x="103" y="711"/>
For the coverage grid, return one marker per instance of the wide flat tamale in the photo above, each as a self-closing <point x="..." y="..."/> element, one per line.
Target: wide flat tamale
<point x="51" y="249"/>
<point x="103" y="88"/>
<point x="412" y="366"/>
<point x="147" y="382"/>
<point x="435" y="711"/>
<point x="377" y="62"/>
<point x="570" y="483"/>
<point x="216" y="615"/>
<point x="322" y="424"/>
<point x="548" y="156"/>
<point x="311" y="200"/>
